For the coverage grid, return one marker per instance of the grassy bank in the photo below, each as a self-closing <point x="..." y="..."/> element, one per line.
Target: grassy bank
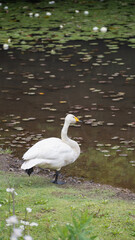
<point x="53" y="206"/>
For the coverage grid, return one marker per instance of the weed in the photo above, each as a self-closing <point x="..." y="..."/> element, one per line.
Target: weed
<point x="80" y="228"/>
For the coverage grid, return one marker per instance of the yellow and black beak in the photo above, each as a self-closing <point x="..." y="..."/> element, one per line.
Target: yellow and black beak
<point x="77" y="120"/>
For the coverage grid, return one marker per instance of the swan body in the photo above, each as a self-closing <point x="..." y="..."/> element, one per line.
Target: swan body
<point x="53" y="153"/>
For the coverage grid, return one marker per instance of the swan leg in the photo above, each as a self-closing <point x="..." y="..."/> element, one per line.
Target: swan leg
<point x="56" y="178"/>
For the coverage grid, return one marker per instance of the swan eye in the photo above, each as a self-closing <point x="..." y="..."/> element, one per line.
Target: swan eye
<point x="77" y="120"/>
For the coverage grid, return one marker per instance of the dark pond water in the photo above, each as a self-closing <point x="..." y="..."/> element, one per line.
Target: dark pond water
<point x="88" y="79"/>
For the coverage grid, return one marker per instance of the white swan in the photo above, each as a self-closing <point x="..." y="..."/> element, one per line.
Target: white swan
<point x="53" y="153"/>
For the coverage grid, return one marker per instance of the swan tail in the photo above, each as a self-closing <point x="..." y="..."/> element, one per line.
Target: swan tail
<point x="45" y="163"/>
<point x="28" y="165"/>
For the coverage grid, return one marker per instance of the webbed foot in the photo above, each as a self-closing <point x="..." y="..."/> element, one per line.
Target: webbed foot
<point x="55" y="181"/>
<point x="58" y="182"/>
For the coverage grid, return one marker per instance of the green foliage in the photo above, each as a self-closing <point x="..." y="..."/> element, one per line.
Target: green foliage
<point x="80" y="229"/>
<point x="20" y="27"/>
<point x="2" y="226"/>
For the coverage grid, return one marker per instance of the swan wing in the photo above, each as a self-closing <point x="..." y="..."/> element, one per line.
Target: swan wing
<point x="49" y="149"/>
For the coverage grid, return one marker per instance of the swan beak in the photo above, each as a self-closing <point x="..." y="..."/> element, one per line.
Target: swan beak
<point x="77" y="120"/>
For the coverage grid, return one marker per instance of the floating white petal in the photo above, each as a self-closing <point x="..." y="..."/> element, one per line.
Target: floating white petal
<point x="5" y="46"/>
<point x="6" y="7"/>
<point x="30" y="14"/>
<point x="61" y="26"/>
<point x="86" y="12"/>
<point x="103" y="29"/>
<point x="48" y="14"/>
<point x="95" y="29"/>
<point x="36" y="15"/>
<point x="51" y="2"/>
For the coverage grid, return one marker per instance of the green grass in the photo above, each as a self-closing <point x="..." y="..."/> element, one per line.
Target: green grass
<point x="53" y="207"/>
<point x="5" y="151"/>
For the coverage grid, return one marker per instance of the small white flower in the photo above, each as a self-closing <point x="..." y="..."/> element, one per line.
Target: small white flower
<point x="0" y="205"/>
<point x="5" y="46"/>
<point x="26" y="223"/>
<point x="48" y="14"/>
<point x="12" y="220"/>
<point x="9" y="40"/>
<point x="21" y="221"/>
<point x="51" y="2"/>
<point x="28" y="237"/>
<point x="28" y="209"/>
<point x="86" y="12"/>
<point x="36" y="15"/>
<point x="17" y="232"/>
<point x="6" y="7"/>
<point x="13" y="237"/>
<point x="95" y="29"/>
<point x="33" y="224"/>
<point x="30" y="14"/>
<point x="22" y="227"/>
<point x="0" y="4"/>
<point x="10" y="189"/>
<point x="76" y="11"/>
<point x="103" y="29"/>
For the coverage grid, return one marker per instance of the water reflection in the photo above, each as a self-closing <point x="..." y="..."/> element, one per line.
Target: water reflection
<point x="93" y="82"/>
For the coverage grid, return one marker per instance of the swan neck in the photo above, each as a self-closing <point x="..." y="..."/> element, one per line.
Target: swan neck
<point x="64" y="131"/>
<point x="64" y="137"/>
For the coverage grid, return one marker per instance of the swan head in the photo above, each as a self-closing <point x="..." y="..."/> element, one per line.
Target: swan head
<point x="70" y="118"/>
